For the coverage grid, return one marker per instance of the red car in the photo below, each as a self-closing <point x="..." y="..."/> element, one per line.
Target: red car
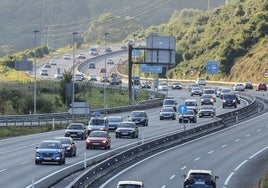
<point x="98" y="139"/>
<point x="261" y="87"/>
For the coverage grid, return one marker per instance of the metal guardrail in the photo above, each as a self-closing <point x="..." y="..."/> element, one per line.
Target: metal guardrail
<point x="117" y="158"/>
<point x="65" y="117"/>
<point x="94" y="176"/>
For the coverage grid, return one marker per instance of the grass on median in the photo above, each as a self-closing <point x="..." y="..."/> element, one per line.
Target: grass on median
<point x="8" y="132"/>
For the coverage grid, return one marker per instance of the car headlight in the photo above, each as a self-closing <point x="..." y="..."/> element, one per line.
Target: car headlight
<point x="223" y="100"/>
<point x="234" y="100"/>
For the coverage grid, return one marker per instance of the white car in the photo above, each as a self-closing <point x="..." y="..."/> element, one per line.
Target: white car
<point x="66" y="56"/>
<point x="130" y="183"/>
<point x="162" y="86"/>
<point x="78" y="77"/>
<point x="201" y="81"/>
<point x="44" y="72"/>
<point x="92" y="77"/>
<point x="239" y="87"/>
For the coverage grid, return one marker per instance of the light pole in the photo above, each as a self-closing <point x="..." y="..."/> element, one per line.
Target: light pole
<point x="35" y="31"/>
<point x="74" y="33"/>
<point x="105" y="67"/>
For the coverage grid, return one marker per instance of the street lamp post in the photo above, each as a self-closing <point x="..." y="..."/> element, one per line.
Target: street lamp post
<point x="105" y="67"/>
<point x="35" y="31"/>
<point x="74" y="33"/>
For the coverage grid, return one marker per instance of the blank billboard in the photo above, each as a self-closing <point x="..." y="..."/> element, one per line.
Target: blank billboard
<point x="160" y="50"/>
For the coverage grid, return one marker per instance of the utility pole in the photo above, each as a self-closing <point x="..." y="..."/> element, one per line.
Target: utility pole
<point x="130" y="63"/>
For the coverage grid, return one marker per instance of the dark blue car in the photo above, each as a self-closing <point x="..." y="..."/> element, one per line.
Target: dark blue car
<point x="50" y="151"/>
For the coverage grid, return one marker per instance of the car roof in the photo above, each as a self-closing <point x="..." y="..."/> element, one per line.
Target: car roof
<point x="190" y="100"/>
<point x="200" y="171"/>
<point x="131" y="182"/>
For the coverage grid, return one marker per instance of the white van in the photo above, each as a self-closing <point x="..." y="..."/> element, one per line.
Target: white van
<point x="130" y="184"/>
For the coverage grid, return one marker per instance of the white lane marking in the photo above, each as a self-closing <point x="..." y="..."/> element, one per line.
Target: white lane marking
<point x="228" y="178"/>
<point x="210" y="152"/>
<point x="223" y="146"/>
<point x="258" y="152"/>
<point x="183" y="167"/>
<point x="259" y="130"/>
<point x="173" y="176"/>
<point x="247" y="135"/>
<point x="196" y="159"/>
<point x="241" y="164"/>
<point x="163" y="186"/>
<point x="25" y="162"/>
<point x="236" y="140"/>
<point x="3" y="170"/>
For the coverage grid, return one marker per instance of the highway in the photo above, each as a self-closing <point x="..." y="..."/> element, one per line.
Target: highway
<point x="236" y="155"/>
<point x="17" y="154"/>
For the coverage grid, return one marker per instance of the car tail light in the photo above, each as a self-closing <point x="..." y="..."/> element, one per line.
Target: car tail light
<point x="189" y="181"/>
<point x="209" y="182"/>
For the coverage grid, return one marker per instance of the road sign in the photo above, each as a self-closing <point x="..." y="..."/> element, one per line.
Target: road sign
<point x="182" y="109"/>
<point x="150" y="69"/>
<point x="136" y="52"/>
<point x="191" y="72"/>
<point x="265" y="74"/>
<point x="212" y="67"/>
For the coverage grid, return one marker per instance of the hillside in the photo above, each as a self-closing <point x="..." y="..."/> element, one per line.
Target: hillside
<point x="57" y="20"/>
<point x="234" y="35"/>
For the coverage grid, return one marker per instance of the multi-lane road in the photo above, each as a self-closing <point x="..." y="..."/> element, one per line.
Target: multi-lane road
<point x="238" y="155"/>
<point x="17" y="155"/>
<point x="229" y="153"/>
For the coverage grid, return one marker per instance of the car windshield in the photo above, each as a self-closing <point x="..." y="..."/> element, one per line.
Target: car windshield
<point x="97" y="134"/>
<point x="137" y="114"/>
<point x="127" y="125"/>
<point x="200" y="176"/>
<point x="209" y="91"/>
<point x="190" y="103"/>
<point x="129" y="186"/>
<point x="167" y="110"/>
<point x="64" y="140"/>
<point x="195" y="88"/>
<point x="75" y="127"/>
<point x="190" y="112"/>
<point x="169" y="102"/>
<point x="114" y="119"/>
<point x="97" y="122"/>
<point x="207" y="96"/>
<point x="49" y="145"/>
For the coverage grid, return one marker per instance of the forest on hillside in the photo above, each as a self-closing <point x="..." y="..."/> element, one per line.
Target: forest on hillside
<point x="234" y="35"/>
<point x="56" y="20"/>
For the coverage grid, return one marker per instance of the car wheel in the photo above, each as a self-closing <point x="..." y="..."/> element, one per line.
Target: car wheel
<point x="82" y="137"/>
<point x="160" y="118"/>
<point x="223" y="106"/>
<point x="133" y="135"/>
<point x="37" y="162"/>
<point x="63" y="161"/>
<point x="87" y="147"/>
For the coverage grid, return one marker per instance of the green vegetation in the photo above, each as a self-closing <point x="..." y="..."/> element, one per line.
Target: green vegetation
<point x="229" y="34"/>
<point x="8" y="132"/>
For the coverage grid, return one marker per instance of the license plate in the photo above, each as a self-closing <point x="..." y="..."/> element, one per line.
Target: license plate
<point x="199" y="182"/>
<point x="48" y="159"/>
<point x="96" y="144"/>
<point x="124" y="133"/>
<point x="73" y="134"/>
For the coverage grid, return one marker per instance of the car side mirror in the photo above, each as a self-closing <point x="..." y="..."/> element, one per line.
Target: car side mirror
<point x="36" y="147"/>
<point x="183" y="176"/>
<point x="216" y="177"/>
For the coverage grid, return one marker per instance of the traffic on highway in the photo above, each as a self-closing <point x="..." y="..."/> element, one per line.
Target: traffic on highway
<point x="36" y="157"/>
